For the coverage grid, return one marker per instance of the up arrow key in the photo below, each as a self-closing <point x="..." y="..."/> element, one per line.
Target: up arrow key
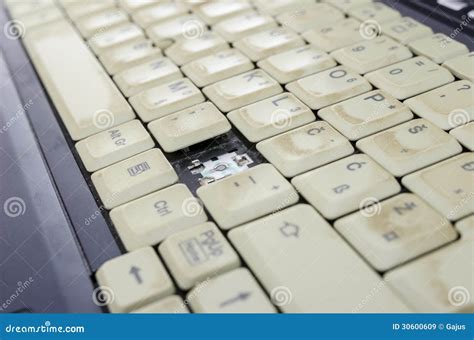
<point x="135" y="271"/>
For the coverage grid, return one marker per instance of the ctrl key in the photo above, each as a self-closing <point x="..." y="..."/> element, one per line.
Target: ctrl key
<point x="134" y="280"/>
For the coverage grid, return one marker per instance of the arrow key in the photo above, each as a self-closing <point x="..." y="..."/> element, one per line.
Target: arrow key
<point x="233" y="292"/>
<point x="133" y="280"/>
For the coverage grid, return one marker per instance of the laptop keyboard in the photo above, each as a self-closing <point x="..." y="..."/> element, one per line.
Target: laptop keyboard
<point x="362" y="117"/>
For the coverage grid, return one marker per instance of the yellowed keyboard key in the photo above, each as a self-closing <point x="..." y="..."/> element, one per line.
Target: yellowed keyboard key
<point x="264" y="44"/>
<point x="271" y="116"/>
<point x="217" y="67"/>
<point x="440" y="282"/>
<point x="157" y="13"/>
<point x="410" y="77"/>
<point x="448" y="106"/>
<point x="372" y="54"/>
<point x="377" y="12"/>
<point x="347" y="5"/>
<point x="173" y="304"/>
<point x="438" y="47"/>
<point x="113" y="145"/>
<point x="247" y="195"/>
<point x="150" y="219"/>
<point x="197" y="254"/>
<point x="329" y="87"/>
<point x="41" y="17"/>
<point x="115" y="37"/>
<point x="306" y="267"/>
<point x="305" y="148"/>
<point x="189" y="126"/>
<point x="164" y="99"/>
<point x="297" y="63"/>
<point x="80" y="101"/>
<point x="166" y="32"/>
<point x="279" y="6"/>
<point x="465" y="135"/>
<point x="333" y="36"/>
<point x="447" y="186"/>
<point x="214" y="11"/>
<point x="134" y="177"/>
<point x="124" y="57"/>
<point x="243" y="25"/>
<point x="366" y="114"/>
<point x="236" y="291"/>
<point x="405" y="30"/>
<point x="301" y="19"/>
<point x="134" y="5"/>
<point x="186" y="50"/>
<point x="78" y="9"/>
<point x="134" y="280"/>
<point x="156" y="72"/>
<point x="100" y="22"/>
<point x="241" y="90"/>
<point x="462" y="66"/>
<point x="20" y="9"/>
<point x="396" y="230"/>
<point x="410" y="146"/>
<point x="345" y="185"/>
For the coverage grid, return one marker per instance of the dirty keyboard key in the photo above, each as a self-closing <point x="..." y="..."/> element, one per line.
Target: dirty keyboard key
<point x="333" y="36"/>
<point x="113" y="145"/>
<point x="307" y="267"/>
<point x="307" y="17"/>
<point x="164" y="99"/>
<point x="159" y="12"/>
<point x="156" y="72"/>
<point x="372" y="54"/>
<point x="241" y="90"/>
<point x="405" y="30"/>
<point x="462" y="66"/>
<point x="217" y="67"/>
<point x="448" y="186"/>
<point x="186" y="50"/>
<point x="236" y="291"/>
<point x="366" y="114"/>
<point x="305" y="148"/>
<point x="134" y="280"/>
<point x="297" y="63"/>
<point x="264" y="44"/>
<point x="465" y="135"/>
<point x="189" y="126"/>
<point x="215" y="11"/>
<point x="173" y="304"/>
<point x="197" y="254"/>
<point x="447" y="106"/>
<point x="115" y="37"/>
<point x="438" y="47"/>
<point x="240" y="26"/>
<point x="347" y="5"/>
<point x="410" y="77"/>
<point x="271" y="116"/>
<point x="129" y="55"/>
<point x="345" y="185"/>
<point x="377" y="12"/>
<point x="396" y="230"/>
<point x="250" y="194"/>
<point x="440" y="282"/>
<point x="410" y="146"/>
<point x="94" y="24"/>
<point x="329" y="87"/>
<point x="150" y="219"/>
<point x="133" y="177"/>
<point x="79" y="104"/>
